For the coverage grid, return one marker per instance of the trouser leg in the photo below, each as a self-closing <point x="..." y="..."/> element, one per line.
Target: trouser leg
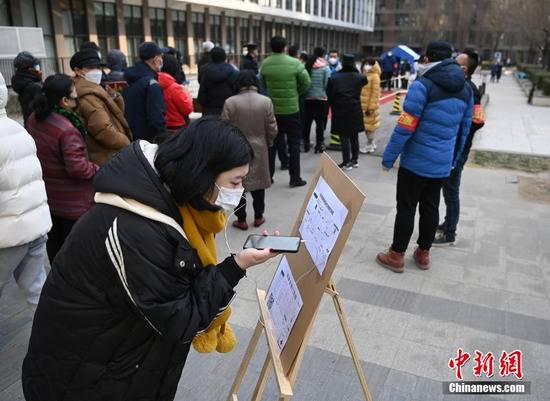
<point x="258" y="202"/>
<point x="240" y="210"/>
<point x="31" y="274"/>
<point x="60" y="230"/>
<point x="293" y="131"/>
<point x="429" y="212"/>
<point x="10" y="258"/>
<point x="346" y="147"/>
<point x="309" y="114"/>
<point x="409" y="188"/>
<point x="354" y="144"/>
<point x="321" y="122"/>
<point x="451" y="195"/>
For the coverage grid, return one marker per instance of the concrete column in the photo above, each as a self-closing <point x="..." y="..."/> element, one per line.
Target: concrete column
<point x="263" y="37"/>
<point x="190" y="45"/>
<point x="207" y="23"/>
<point x="146" y="21"/>
<point x="223" y="29"/>
<point x="121" y="27"/>
<point x="169" y="26"/>
<point x="90" y="19"/>
<point x="238" y="47"/>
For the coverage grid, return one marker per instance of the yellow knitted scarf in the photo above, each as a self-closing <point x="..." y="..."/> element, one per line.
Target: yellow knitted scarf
<point x="200" y="227"/>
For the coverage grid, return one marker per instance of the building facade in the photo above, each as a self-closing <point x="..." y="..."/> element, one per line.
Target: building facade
<point x="464" y="23"/>
<point x="124" y="24"/>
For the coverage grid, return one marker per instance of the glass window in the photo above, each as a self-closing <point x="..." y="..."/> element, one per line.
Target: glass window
<point x="180" y="31"/>
<point x="288" y="4"/>
<point x="230" y="34"/>
<point x="215" y="29"/>
<point x="5" y="15"/>
<point x="256" y="31"/>
<point x="134" y="30"/>
<point x="27" y="12"/>
<point x="323" y="8"/>
<point x="315" y="7"/>
<point x="157" y="19"/>
<point x="198" y="33"/>
<point x="279" y="3"/>
<point x="308" y="6"/>
<point x="106" y="24"/>
<point x="75" y="25"/>
<point x="244" y="31"/>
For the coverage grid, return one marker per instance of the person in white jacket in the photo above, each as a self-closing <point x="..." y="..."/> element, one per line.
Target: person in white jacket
<point x="24" y="213"/>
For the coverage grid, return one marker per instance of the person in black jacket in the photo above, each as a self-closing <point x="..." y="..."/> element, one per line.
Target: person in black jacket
<point x="145" y="110"/>
<point x="446" y="232"/>
<point x="250" y="60"/>
<point x="205" y="58"/>
<point x="128" y="292"/>
<point x="217" y="82"/>
<point x="116" y="61"/>
<point x="344" y="98"/>
<point x="27" y="81"/>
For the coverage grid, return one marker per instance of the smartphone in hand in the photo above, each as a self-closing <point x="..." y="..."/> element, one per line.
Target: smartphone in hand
<point x="275" y="242"/>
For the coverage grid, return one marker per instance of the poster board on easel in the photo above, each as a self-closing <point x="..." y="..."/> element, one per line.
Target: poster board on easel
<point x="312" y="286"/>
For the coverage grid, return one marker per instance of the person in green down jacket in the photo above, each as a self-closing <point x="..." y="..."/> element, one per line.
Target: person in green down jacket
<point x="285" y="79"/>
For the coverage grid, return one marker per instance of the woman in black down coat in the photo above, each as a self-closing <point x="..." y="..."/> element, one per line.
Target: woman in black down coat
<point x="344" y="97"/>
<point x="127" y="293"/>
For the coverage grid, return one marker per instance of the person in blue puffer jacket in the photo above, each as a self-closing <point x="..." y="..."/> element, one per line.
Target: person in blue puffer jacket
<point x="429" y="136"/>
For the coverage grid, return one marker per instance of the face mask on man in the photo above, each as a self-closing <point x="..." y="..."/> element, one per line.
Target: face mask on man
<point x="228" y="198"/>
<point x="333" y="60"/>
<point x="93" y="76"/>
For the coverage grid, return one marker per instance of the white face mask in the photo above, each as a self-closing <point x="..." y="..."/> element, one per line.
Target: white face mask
<point x="229" y="198"/>
<point x="368" y="67"/>
<point x="37" y="67"/>
<point x="93" y="76"/>
<point x="332" y="60"/>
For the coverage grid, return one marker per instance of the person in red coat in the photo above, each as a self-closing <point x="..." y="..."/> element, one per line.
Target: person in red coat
<point x="59" y="136"/>
<point x="179" y="103"/>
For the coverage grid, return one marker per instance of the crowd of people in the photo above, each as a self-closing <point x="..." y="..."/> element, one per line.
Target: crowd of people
<point x="124" y="193"/>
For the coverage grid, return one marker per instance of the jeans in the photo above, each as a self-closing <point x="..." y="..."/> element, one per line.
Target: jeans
<point x="413" y="190"/>
<point x="350" y="144"/>
<point x="60" y="231"/>
<point x="290" y="127"/>
<point x="451" y="189"/>
<point x="258" y="202"/>
<point x="26" y="263"/>
<point x="315" y="110"/>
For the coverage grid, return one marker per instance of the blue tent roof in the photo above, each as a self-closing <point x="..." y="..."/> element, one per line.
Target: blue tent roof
<point x="404" y="53"/>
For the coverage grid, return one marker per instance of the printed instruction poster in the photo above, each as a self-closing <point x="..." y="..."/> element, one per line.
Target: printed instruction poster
<point x="283" y="302"/>
<point x="322" y="222"/>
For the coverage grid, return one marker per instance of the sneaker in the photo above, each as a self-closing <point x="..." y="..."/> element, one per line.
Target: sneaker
<point x="345" y="167"/>
<point x="241" y="225"/>
<point x="368" y="149"/>
<point x="297" y="183"/>
<point x="395" y="261"/>
<point x="442" y="239"/>
<point x="259" y="222"/>
<point x="422" y="258"/>
<point x="354" y="163"/>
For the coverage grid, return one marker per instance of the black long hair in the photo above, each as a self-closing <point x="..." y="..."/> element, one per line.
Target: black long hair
<point x="190" y="162"/>
<point x="317" y="52"/>
<point x="55" y="88"/>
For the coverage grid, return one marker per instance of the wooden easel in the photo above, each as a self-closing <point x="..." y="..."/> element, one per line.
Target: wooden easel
<point x="286" y="363"/>
<point x="272" y="360"/>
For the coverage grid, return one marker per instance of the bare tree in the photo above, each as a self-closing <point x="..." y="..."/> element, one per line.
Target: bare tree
<point x="534" y="21"/>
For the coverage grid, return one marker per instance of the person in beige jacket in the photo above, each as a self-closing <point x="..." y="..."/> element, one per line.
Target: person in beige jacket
<point x="102" y="112"/>
<point x="253" y="114"/>
<point x="370" y="102"/>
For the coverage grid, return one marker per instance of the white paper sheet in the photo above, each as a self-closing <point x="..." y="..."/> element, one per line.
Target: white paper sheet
<point x="283" y="302"/>
<point x="322" y="222"/>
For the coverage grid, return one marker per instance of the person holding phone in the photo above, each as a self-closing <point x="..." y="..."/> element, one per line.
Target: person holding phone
<point x="131" y="289"/>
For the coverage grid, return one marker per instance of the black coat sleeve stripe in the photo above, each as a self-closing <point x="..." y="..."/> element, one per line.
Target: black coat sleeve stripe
<point x="117" y="259"/>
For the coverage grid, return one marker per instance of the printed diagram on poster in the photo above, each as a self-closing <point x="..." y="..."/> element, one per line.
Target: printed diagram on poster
<point x="322" y="222"/>
<point x="283" y="302"/>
